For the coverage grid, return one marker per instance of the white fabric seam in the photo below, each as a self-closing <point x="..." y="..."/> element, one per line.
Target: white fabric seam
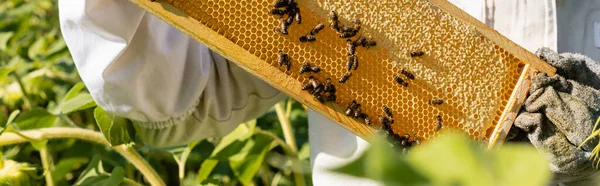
<point x="172" y="121"/>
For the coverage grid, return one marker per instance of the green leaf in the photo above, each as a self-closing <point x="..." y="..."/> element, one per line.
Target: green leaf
<point x="38" y="145"/>
<point x="12" y="117"/>
<point x="94" y="168"/>
<point x="463" y="158"/>
<point x="206" y="168"/>
<point x="233" y="142"/>
<point x="246" y="163"/>
<point x="34" y="119"/>
<point x="304" y="152"/>
<point x="4" y="37"/>
<point x="37" y="48"/>
<point x="518" y="164"/>
<point x="383" y="163"/>
<point x="66" y="166"/>
<point x="10" y="67"/>
<point x="74" y="91"/>
<point x="3" y="119"/>
<point x="116" y="130"/>
<point x="116" y="177"/>
<point x="77" y="103"/>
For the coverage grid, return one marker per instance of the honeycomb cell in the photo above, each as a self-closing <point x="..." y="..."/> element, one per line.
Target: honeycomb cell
<point x="472" y="74"/>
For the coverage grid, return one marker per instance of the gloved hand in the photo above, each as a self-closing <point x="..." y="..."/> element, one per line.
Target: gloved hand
<point x="560" y="113"/>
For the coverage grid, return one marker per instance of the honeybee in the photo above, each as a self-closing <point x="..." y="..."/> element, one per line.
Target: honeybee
<point x="319" y="98"/>
<point x="417" y="54"/>
<point x="329" y="87"/>
<point x="347" y="29"/>
<point x="308" y="38"/>
<point x="282" y="27"/>
<point x="305" y="68"/>
<point x="417" y="141"/>
<point x="315" y="69"/>
<point x="308" y="87"/>
<point x="369" y="44"/>
<point x="276" y="11"/>
<point x="288" y="65"/>
<point x="290" y="19"/>
<point x="355" y="63"/>
<point x="360" y="41"/>
<point x="358" y="113"/>
<point x="385" y="124"/>
<point x="282" y="58"/>
<point x="280" y="3"/>
<point x="298" y="17"/>
<point x="439" y="123"/>
<point x="350" y="47"/>
<point x="367" y="121"/>
<point x="333" y="20"/>
<point x="347" y="34"/>
<point x="351" y="108"/>
<point x="313" y="81"/>
<point x="345" y="77"/>
<point x="388" y="112"/>
<point x="357" y="24"/>
<point x="331" y="97"/>
<point x="408" y="74"/>
<point x="400" y="81"/>
<point x="317" y="29"/>
<point x="350" y="62"/>
<point x="436" y="101"/>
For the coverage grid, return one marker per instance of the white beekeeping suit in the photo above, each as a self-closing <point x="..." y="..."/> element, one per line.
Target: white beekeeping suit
<point x="178" y="91"/>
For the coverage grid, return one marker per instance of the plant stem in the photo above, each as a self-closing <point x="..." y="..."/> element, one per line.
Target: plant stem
<point x="68" y="120"/>
<point x="9" y="138"/>
<point x="288" y="108"/>
<point x="47" y="164"/>
<point x="288" y="134"/>
<point x="28" y="101"/>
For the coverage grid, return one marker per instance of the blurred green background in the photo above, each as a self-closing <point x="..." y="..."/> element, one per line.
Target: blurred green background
<point x="40" y="88"/>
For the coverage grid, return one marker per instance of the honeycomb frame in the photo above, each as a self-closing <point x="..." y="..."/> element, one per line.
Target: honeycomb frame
<point x="482" y="76"/>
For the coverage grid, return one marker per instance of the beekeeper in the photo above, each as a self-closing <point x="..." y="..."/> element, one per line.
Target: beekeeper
<point x="177" y="91"/>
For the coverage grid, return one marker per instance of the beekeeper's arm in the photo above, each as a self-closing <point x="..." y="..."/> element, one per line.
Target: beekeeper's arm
<point x="173" y="88"/>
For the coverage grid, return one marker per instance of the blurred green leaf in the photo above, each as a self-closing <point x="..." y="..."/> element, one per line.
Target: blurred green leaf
<point x="383" y="163"/>
<point x="3" y="119"/>
<point x="304" y="152"/>
<point x="450" y="160"/>
<point x="66" y="165"/>
<point x="34" y="119"/>
<point x="4" y="37"/>
<point x="116" y="130"/>
<point x="463" y="158"/>
<point x="74" y="91"/>
<point x="246" y="163"/>
<point x="77" y="103"/>
<point x="115" y="178"/>
<point x="518" y="164"/>
<point x="10" y="67"/>
<point x="12" y="117"/>
<point x="57" y="46"/>
<point x="94" y="168"/>
<point x="38" y="145"/>
<point x="206" y="168"/>
<point x="233" y="142"/>
<point x="37" y="48"/>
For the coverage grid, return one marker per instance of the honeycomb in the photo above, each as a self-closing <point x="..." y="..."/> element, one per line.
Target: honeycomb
<point x="473" y="75"/>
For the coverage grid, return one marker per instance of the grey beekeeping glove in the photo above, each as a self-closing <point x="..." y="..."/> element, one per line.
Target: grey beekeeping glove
<point x="560" y="113"/>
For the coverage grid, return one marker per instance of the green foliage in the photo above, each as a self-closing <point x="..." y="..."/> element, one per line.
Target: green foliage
<point x="117" y="130"/>
<point x="40" y="88"/>
<point x="452" y="160"/>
